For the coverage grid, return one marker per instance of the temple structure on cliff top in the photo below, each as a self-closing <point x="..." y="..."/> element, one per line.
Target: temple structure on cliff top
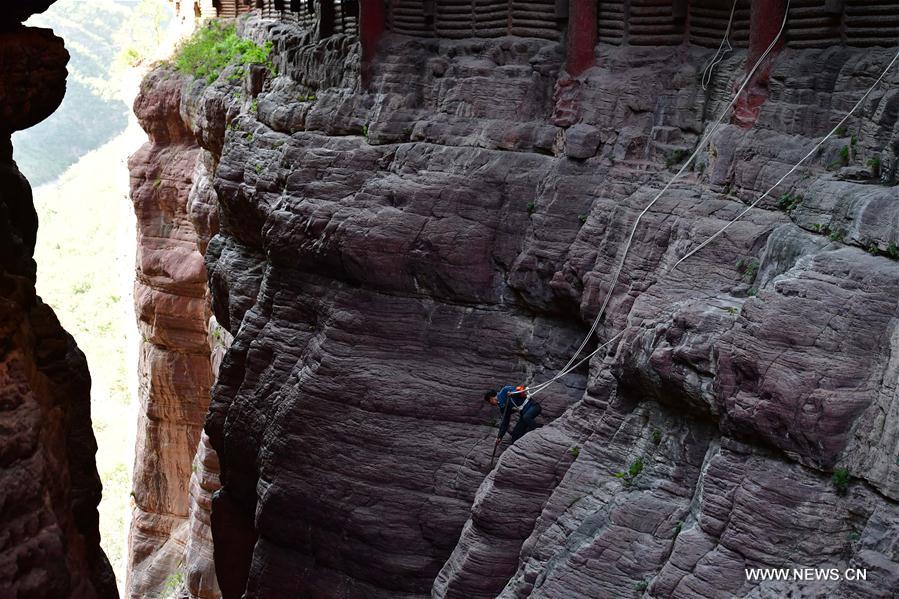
<point x="456" y="179"/>
<point x="584" y="23"/>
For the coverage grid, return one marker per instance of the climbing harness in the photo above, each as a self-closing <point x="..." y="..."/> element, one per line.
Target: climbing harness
<point x="518" y="392"/>
<point x="573" y="363"/>
<point x="536" y="389"/>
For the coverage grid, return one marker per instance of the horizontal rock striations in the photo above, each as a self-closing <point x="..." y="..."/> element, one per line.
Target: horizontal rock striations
<point x="174" y="222"/>
<point x="50" y="544"/>
<point x="388" y="252"/>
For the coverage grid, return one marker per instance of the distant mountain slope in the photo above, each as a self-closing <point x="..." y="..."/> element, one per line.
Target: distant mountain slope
<point x="93" y="111"/>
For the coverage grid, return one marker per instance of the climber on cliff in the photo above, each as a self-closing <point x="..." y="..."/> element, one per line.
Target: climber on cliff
<point x="514" y="399"/>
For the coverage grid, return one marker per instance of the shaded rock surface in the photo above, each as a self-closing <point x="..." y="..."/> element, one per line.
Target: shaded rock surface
<point x="50" y="541"/>
<point x="385" y="255"/>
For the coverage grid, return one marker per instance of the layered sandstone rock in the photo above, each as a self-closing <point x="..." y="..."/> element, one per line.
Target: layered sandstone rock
<point x="386" y="254"/>
<point x="173" y="222"/>
<point x="50" y="544"/>
<point x="199" y="566"/>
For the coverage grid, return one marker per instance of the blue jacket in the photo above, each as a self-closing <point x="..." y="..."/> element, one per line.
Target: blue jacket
<point x="507" y="404"/>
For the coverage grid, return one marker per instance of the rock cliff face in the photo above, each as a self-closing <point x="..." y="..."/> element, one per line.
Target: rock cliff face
<point x="50" y="488"/>
<point x="175" y="217"/>
<point x="385" y="254"/>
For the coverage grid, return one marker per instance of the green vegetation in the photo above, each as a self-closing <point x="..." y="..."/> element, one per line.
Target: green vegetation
<point x="837" y="235"/>
<point x="641" y="586"/>
<point x="840" y="480"/>
<point x="172" y="582"/>
<point x="582" y="218"/>
<point x="215" y="47"/>
<point x="753" y="291"/>
<point x="254" y="106"/>
<point x="676" y="157"/>
<point x="844" y="155"/>
<point x="81" y="287"/>
<point x="532" y="207"/>
<point x="575" y="451"/>
<point x="748" y="268"/>
<point x="678" y="527"/>
<point x="636" y="468"/>
<point x="138" y="39"/>
<point x="365" y="131"/>
<point x="788" y="201"/>
<point x="891" y="251"/>
<point x="874" y="164"/>
<point x="96" y="104"/>
<point x="656" y="436"/>
<point x="633" y="471"/>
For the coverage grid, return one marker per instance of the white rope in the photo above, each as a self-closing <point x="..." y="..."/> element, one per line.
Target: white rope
<point x="755" y="203"/>
<point x="574" y="367"/>
<point x="715" y="60"/>
<point x="793" y="169"/>
<point x="714" y="129"/>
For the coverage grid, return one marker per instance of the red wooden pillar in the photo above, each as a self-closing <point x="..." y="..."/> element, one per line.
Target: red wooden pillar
<point x="766" y="18"/>
<point x="372" y="22"/>
<point x="765" y="21"/>
<point x="582" y="36"/>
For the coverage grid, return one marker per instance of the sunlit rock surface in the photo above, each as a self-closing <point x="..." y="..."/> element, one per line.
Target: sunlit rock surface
<point x="386" y="255"/>
<point x="166" y="541"/>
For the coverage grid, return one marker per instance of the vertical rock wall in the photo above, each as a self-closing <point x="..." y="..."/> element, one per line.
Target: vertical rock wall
<point x="385" y="254"/>
<point x="49" y="487"/>
<point x="174" y="222"/>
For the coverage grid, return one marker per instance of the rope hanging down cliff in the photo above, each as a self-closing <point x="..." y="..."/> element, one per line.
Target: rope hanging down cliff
<point x="715" y="60"/>
<point x="536" y="389"/>
<point x="755" y="203"/>
<point x="793" y="169"/>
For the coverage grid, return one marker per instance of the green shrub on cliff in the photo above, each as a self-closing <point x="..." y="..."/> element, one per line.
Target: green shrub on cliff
<point x="171" y="585"/>
<point x="840" y="480"/>
<point x="216" y="46"/>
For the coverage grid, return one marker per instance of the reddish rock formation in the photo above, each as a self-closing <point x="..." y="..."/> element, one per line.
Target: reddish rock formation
<point x="389" y="251"/>
<point x="50" y="488"/>
<point x="175" y="371"/>
<point x="199" y="566"/>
